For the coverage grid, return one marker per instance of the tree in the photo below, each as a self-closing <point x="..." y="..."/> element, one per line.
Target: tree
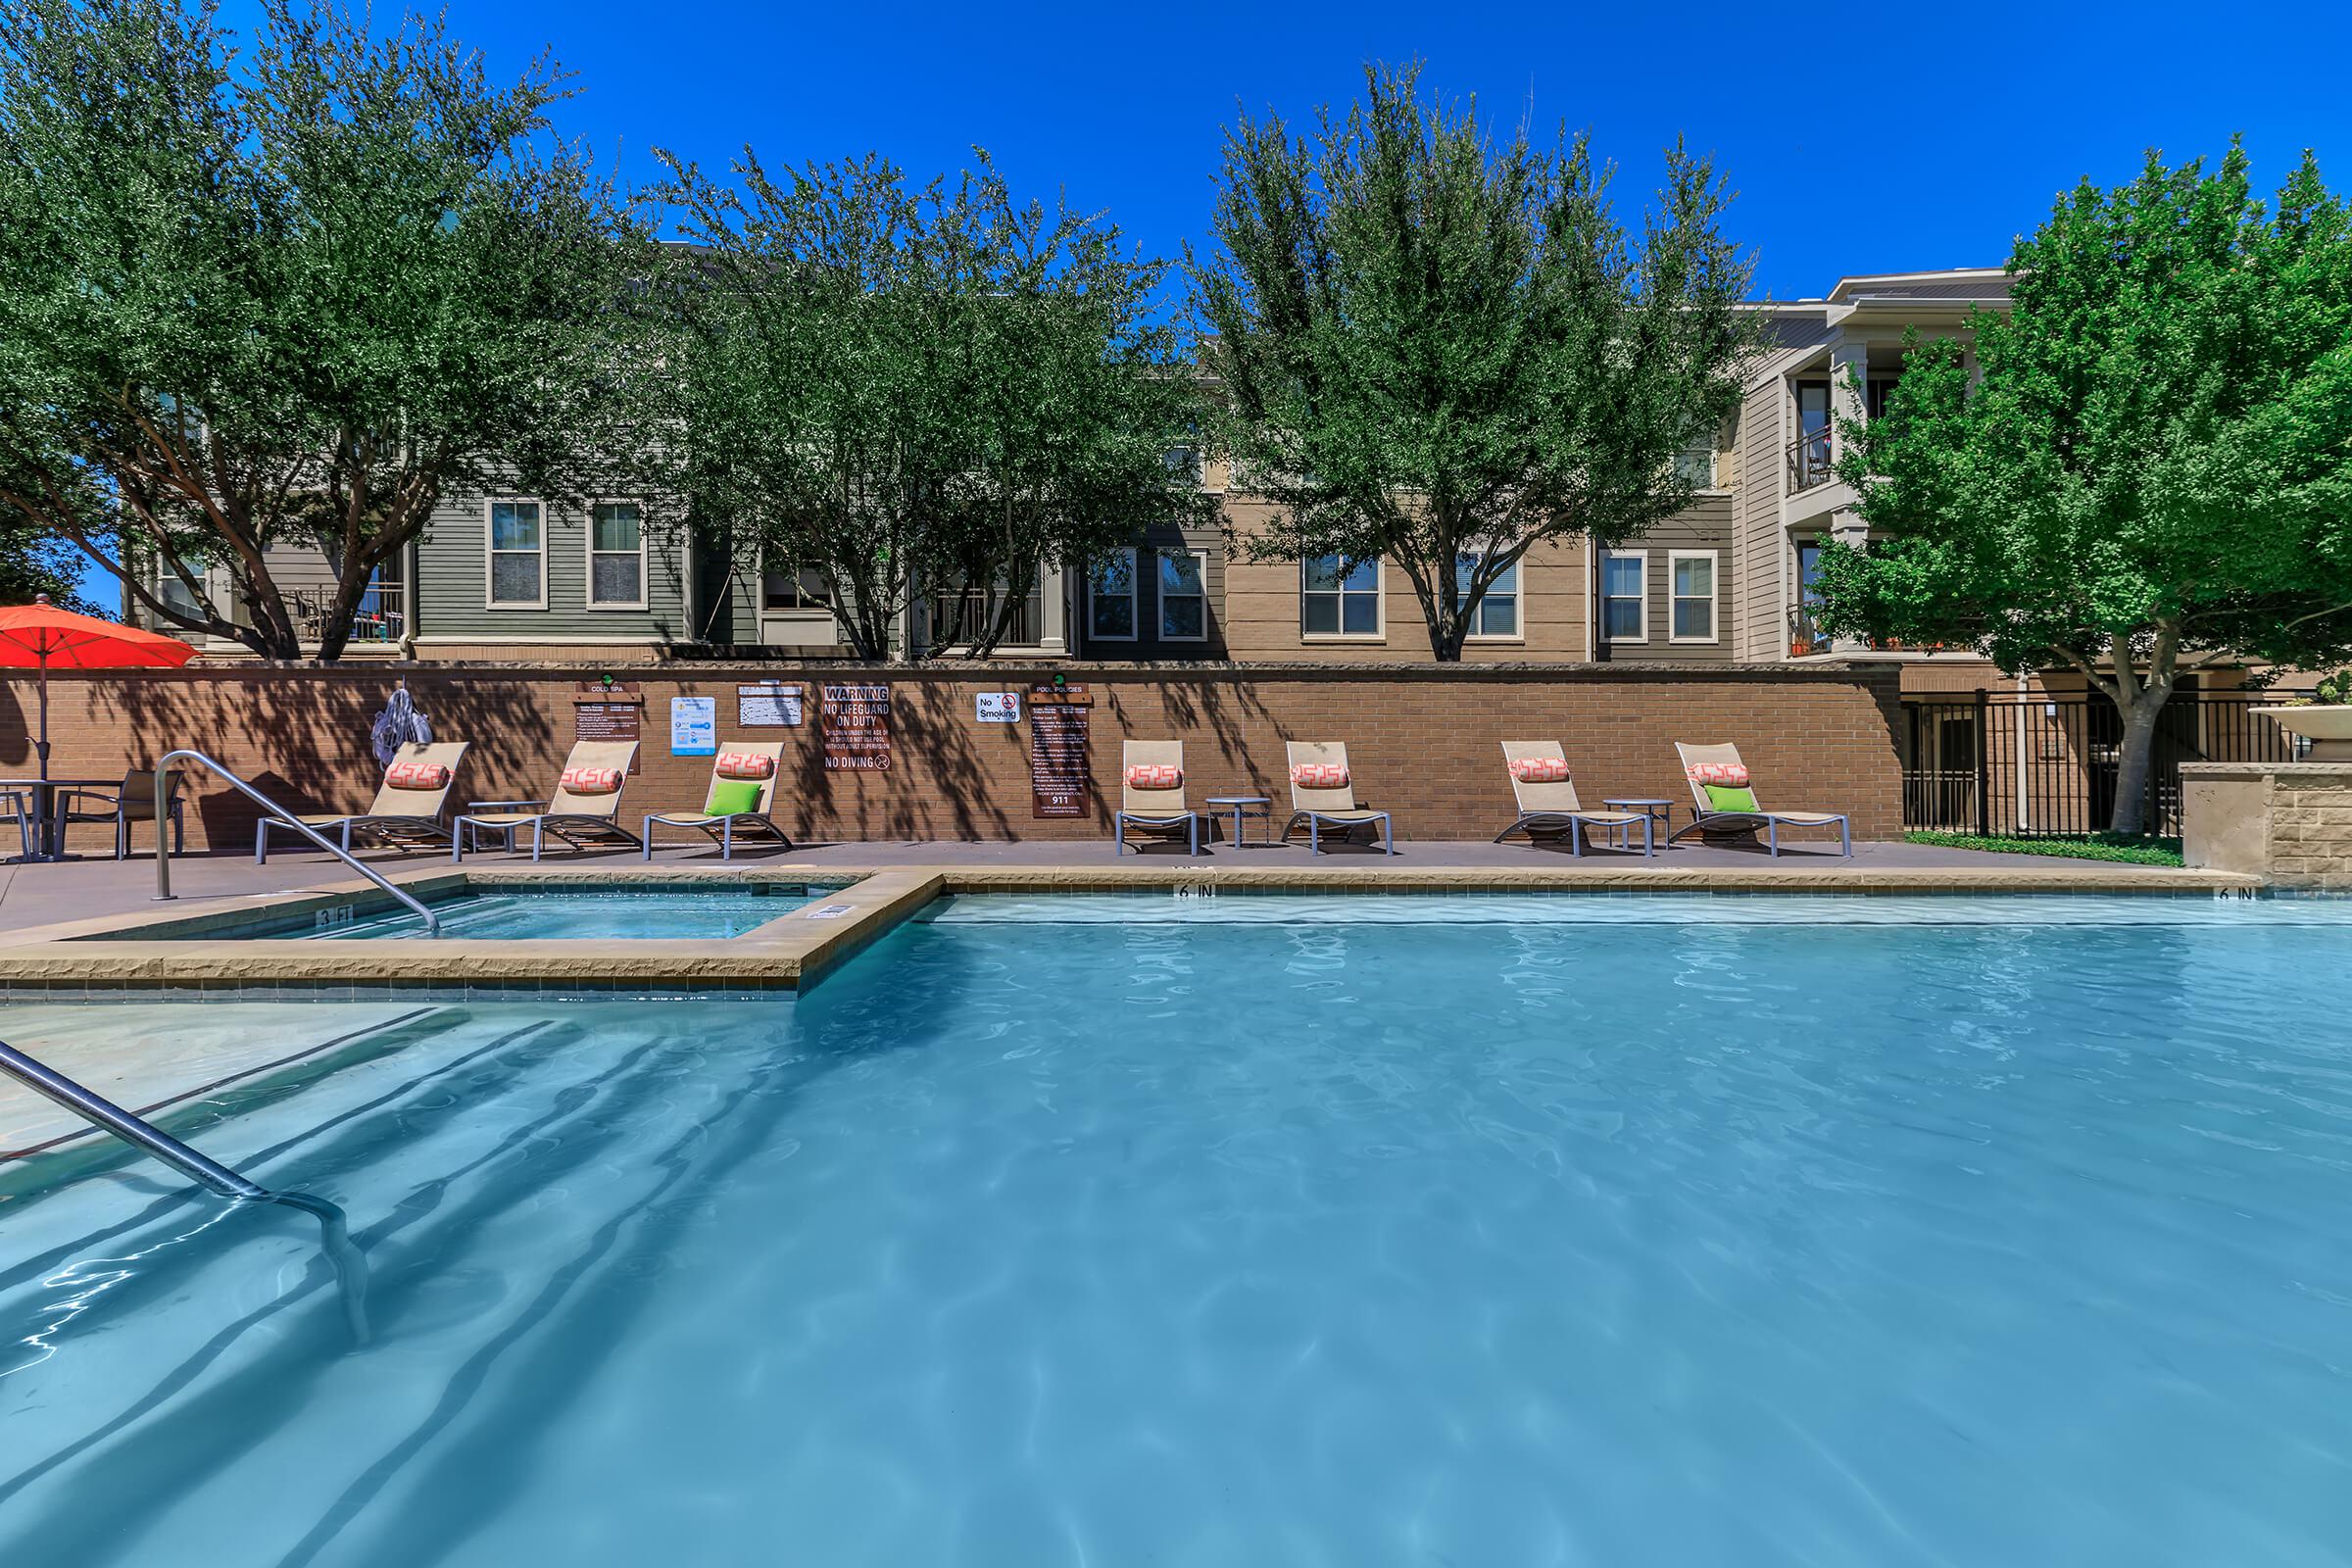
<point x="909" y="388"/>
<point x="32" y="562"/>
<point x="2154" y="471"/>
<point x="1443" y="350"/>
<point x="287" y="301"/>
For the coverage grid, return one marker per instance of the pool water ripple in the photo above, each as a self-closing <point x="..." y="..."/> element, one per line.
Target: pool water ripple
<point x="1261" y="1242"/>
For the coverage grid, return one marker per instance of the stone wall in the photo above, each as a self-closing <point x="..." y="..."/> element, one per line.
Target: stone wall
<point x="2291" y="822"/>
<point x="1422" y="740"/>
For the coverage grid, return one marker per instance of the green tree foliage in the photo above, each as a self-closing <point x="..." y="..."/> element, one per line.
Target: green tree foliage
<point x="287" y="299"/>
<point x="916" y="390"/>
<point x="1441" y="350"/>
<point x="2155" y="470"/>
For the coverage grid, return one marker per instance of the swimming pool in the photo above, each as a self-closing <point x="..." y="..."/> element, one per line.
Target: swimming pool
<point x="1205" y="1236"/>
<point x="568" y="913"/>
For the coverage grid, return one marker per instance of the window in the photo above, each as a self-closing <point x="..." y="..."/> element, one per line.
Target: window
<point x="518" y="545"/>
<point x="795" y="588"/>
<point x="1110" y="598"/>
<point x="1693" y="577"/>
<point x="1694" y="465"/>
<point x="1183" y="596"/>
<point x="1336" y="599"/>
<point x="1624" y="601"/>
<point x="615" y="556"/>
<point x="1498" y="614"/>
<point x="1183" y="465"/>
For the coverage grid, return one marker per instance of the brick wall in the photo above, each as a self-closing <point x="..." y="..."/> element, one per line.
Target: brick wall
<point x="1422" y="740"/>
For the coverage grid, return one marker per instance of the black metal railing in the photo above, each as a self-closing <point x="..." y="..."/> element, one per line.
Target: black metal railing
<point x="2042" y="767"/>
<point x="1803" y="636"/>
<point x="380" y="617"/>
<point x="1809" y="461"/>
<point x="962" y="617"/>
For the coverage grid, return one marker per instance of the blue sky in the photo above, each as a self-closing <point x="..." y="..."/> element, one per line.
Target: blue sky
<point x="1884" y="138"/>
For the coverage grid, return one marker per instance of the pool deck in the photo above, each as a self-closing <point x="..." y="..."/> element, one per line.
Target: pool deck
<point x="56" y="922"/>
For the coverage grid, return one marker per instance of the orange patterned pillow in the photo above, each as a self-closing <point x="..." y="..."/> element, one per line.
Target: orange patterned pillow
<point x="744" y="764"/>
<point x="591" y="780"/>
<point x="1540" y="770"/>
<point x="1734" y="774"/>
<point x="1154" y="776"/>
<point x="1321" y="775"/>
<point x="417" y="776"/>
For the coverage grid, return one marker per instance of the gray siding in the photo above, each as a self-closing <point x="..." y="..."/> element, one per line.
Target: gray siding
<point x="1706" y="525"/>
<point x="1147" y="644"/>
<point x="452" y="584"/>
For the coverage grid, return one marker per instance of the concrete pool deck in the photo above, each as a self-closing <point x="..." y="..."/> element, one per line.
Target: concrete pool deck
<point x="56" y="921"/>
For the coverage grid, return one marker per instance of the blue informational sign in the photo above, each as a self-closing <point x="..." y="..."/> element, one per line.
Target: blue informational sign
<point x="692" y="726"/>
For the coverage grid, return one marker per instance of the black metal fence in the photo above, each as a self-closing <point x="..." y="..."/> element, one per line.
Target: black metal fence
<point x="2000" y="762"/>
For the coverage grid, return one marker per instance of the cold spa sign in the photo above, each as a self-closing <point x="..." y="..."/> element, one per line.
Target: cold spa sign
<point x="857" y="727"/>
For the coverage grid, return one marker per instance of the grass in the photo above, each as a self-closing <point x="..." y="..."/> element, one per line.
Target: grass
<point x="2125" y="849"/>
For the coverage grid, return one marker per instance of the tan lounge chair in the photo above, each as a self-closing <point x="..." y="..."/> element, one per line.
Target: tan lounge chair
<point x="1739" y="819"/>
<point x="1548" y="809"/>
<point x="407" y="816"/>
<point x="1332" y="805"/>
<point x="738" y="763"/>
<point x="1156" y="807"/>
<point x="582" y="817"/>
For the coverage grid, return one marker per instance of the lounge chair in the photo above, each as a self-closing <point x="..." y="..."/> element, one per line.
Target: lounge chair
<point x="1548" y="809"/>
<point x="742" y="794"/>
<point x="406" y="811"/>
<point x="1323" y="795"/>
<point x="1151" y="794"/>
<point x="584" y="812"/>
<point x="1724" y="805"/>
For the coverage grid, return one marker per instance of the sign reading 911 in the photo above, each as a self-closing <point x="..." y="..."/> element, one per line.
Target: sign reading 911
<point x="857" y="727"/>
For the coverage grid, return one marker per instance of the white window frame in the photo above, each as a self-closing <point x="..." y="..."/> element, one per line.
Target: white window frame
<point x="589" y="552"/>
<point x="1159" y="596"/>
<point x="1380" y="607"/>
<point x="1133" y="596"/>
<point x="1518" y="605"/>
<point x="490" y="554"/>
<point x="1714" y="596"/>
<point x="1643" y="557"/>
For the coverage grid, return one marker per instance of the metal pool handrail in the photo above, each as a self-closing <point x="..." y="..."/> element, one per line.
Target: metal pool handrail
<point x="162" y="848"/>
<point x="350" y="1265"/>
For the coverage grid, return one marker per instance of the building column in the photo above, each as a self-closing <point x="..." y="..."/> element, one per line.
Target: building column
<point x="1848" y="528"/>
<point x="1053" y="611"/>
<point x="1850" y="364"/>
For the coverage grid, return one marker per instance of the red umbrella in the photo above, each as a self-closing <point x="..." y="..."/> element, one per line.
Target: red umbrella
<point x="40" y="635"/>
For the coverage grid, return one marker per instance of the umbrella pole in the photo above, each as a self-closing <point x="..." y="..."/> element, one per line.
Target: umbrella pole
<point x="41" y="748"/>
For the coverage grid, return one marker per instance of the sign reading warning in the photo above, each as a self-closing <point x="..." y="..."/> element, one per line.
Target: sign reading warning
<point x="857" y="727"/>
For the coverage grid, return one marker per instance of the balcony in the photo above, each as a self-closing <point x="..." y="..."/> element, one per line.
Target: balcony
<point x="960" y="618"/>
<point x="379" y="619"/>
<point x="1809" y="462"/>
<point x="1805" y="638"/>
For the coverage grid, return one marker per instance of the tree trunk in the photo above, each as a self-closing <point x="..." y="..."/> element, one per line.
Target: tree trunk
<point x="2136" y="758"/>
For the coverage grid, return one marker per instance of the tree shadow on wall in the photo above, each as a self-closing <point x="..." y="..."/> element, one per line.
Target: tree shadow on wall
<point x="1225" y="708"/>
<point x="927" y="736"/>
<point x="303" y="740"/>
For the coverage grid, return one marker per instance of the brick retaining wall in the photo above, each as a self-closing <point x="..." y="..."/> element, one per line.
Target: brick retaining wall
<point x="1422" y="740"/>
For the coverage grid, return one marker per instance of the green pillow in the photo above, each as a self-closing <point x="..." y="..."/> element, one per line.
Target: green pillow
<point x="731" y="796"/>
<point x="1731" y="798"/>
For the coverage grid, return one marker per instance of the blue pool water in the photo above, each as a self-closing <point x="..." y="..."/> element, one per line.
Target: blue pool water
<point x="1741" y="1232"/>
<point x="570" y="913"/>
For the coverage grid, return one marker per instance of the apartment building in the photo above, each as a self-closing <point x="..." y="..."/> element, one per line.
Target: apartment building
<point x="1725" y="581"/>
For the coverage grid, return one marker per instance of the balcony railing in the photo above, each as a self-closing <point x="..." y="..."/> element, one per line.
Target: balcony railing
<point x="963" y="617"/>
<point x="380" y="617"/>
<point x="1803" y="636"/>
<point x="1809" y="461"/>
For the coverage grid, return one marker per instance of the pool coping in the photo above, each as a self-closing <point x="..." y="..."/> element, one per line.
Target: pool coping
<point x="55" y="961"/>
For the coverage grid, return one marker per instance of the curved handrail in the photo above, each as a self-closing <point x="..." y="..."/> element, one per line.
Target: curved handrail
<point x="163" y="843"/>
<point x="334" y="1233"/>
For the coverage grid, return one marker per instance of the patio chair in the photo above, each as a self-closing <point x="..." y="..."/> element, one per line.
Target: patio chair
<point x="1724" y="802"/>
<point x="584" y="813"/>
<point x="15" y="802"/>
<point x="742" y="794"/>
<point x="1548" y="809"/>
<point x="1323" y="796"/>
<point x="1151" y="794"/>
<point x="131" y="800"/>
<point x="407" y="809"/>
